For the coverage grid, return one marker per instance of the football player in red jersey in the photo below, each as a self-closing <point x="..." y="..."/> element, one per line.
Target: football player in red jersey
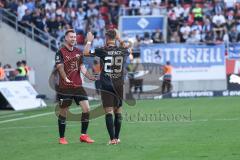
<point x="68" y="61"/>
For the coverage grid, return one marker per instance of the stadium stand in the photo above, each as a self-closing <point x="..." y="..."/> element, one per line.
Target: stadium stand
<point x="189" y="21"/>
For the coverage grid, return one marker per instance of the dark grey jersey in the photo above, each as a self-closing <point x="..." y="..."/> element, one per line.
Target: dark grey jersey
<point x="113" y="59"/>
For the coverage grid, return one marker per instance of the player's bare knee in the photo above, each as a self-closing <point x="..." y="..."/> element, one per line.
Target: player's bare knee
<point x="85" y="109"/>
<point x="117" y="110"/>
<point x="63" y="111"/>
<point x="85" y="106"/>
<point x="109" y="110"/>
<point x="65" y="103"/>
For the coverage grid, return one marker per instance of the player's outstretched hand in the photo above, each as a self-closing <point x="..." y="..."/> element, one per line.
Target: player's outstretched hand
<point x="92" y="78"/>
<point x="90" y="37"/>
<point x="67" y="80"/>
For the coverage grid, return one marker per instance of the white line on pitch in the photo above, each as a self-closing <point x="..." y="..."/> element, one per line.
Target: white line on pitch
<point x="69" y="125"/>
<point x="36" y="115"/>
<point x="12" y="115"/>
<point x="227" y="119"/>
<point x="32" y="127"/>
<point x="28" y="117"/>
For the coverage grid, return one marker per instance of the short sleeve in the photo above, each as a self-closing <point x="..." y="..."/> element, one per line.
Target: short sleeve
<point x="99" y="52"/>
<point x="58" y="58"/>
<point x="128" y="51"/>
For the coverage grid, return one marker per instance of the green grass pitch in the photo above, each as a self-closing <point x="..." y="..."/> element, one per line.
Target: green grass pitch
<point x="188" y="129"/>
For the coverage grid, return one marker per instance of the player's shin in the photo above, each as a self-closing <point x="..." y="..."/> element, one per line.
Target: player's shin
<point x="85" y="122"/>
<point x="110" y="125"/>
<point x="117" y="124"/>
<point x="61" y="125"/>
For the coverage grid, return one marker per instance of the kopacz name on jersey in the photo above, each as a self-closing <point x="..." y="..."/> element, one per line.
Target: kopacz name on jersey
<point x="114" y="52"/>
<point x="116" y="73"/>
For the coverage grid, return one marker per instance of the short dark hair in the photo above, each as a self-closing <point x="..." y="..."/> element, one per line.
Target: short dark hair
<point x="111" y="34"/>
<point x="24" y="62"/>
<point x="19" y="63"/>
<point x="69" y="31"/>
<point x="168" y="63"/>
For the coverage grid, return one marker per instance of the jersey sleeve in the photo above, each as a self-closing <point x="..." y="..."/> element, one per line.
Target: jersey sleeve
<point x="99" y="52"/>
<point x="128" y="51"/>
<point x="58" y="58"/>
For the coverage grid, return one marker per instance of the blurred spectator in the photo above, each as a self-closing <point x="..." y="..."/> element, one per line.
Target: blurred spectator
<point x="37" y="20"/>
<point x="50" y="5"/>
<point x="234" y="35"/>
<point x="20" y="72"/>
<point x="13" y="6"/>
<point x="2" y="73"/>
<point x="197" y="12"/>
<point x="27" y="20"/>
<point x="122" y="10"/>
<point x="155" y="9"/>
<point x="179" y="11"/>
<point x="10" y="72"/>
<point x="145" y="10"/>
<point x="27" y="69"/>
<point x="30" y="5"/>
<point x="197" y="27"/>
<point x="195" y="37"/>
<point x="208" y="9"/>
<point x="134" y="6"/>
<point x="167" y="78"/>
<point x="98" y="41"/>
<point x="211" y="17"/>
<point x="21" y="10"/>
<point x="92" y="11"/>
<point x="230" y="20"/>
<point x="185" y="32"/>
<point x="113" y="15"/>
<point x="2" y="3"/>
<point x="147" y="39"/>
<point x="174" y="38"/>
<point x="218" y="25"/>
<point x="157" y="36"/>
<point x="79" y="24"/>
<point x="172" y="20"/>
<point x="230" y="4"/>
<point x="208" y="38"/>
<point x="207" y="27"/>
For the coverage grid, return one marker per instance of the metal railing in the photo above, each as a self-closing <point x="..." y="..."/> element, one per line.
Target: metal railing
<point x="29" y="30"/>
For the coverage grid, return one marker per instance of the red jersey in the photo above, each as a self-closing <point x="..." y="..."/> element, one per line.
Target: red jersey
<point x="72" y="61"/>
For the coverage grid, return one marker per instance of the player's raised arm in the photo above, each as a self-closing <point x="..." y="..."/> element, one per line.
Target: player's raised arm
<point x="90" y="37"/>
<point x="124" y="45"/>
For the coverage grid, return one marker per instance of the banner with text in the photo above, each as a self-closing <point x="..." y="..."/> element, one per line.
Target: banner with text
<point x="189" y="61"/>
<point x="234" y="51"/>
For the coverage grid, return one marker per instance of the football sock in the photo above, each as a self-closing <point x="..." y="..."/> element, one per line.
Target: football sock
<point x="85" y="122"/>
<point x="109" y="124"/>
<point x="117" y="124"/>
<point x="61" y="125"/>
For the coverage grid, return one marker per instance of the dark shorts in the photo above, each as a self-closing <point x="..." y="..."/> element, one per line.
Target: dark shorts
<point x="112" y="96"/>
<point x="78" y="94"/>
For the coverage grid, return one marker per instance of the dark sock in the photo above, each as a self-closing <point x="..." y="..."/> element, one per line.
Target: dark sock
<point x="109" y="124"/>
<point x="117" y="124"/>
<point x="85" y="121"/>
<point x="61" y="125"/>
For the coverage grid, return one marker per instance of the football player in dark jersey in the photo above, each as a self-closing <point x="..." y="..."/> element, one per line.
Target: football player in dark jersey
<point x="113" y="59"/>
